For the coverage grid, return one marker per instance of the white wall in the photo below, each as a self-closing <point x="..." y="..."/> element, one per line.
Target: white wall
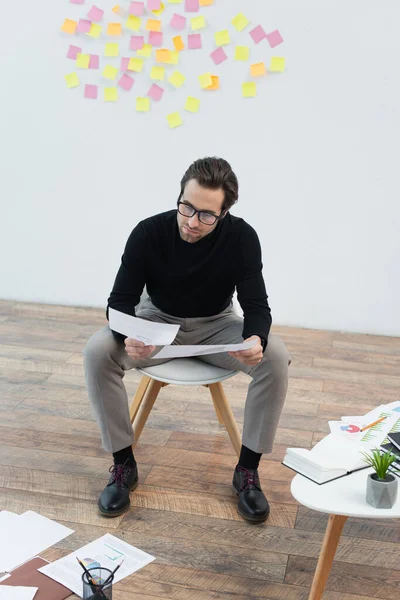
<point x="316" y="154"/>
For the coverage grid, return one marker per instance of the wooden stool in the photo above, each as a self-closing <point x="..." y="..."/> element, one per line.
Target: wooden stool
<point x="183" y="371"/>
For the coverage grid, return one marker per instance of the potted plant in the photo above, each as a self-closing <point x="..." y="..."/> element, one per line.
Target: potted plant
<point x="381" y="485"/>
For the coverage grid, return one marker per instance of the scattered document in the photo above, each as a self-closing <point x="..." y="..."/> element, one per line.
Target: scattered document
<point x="152" y="334"/>
<point x="107" y="551"/>
<point x="8" y="592"/>
<point x="181" y="351"/>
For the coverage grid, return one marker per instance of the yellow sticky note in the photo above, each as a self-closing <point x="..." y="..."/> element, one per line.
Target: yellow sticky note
<point x="205" y="80"/>
<point x="192" y="104"/>
<point x="178" y="43"/>
<point x="111" y="49"/>
<point x="72" y="80"/>
<point x="82" y="61"/>
<point x="114" y="29"/>
<point x="174" y="120"/>
<point x="160" y="10"/>
<point x="177" y="79"/>
<point x="240" y="22"/>
<point x="206" y="2"/>
<point x="197" y="23"/>
<point x="242" y="53"/>
<point x="174" y="1"/>
<point x="69" y="26"/>
<point x="153" y="25"/>
<point x="135" y="64"/>
<point x="133" y="23"/>
<point x="277" y="64"/>
<point x="157" y="73"/>
<point x="110" y="94"/>
<point x="142" y="104"/>
<point x="214" y="83"/>
<point x="110" y="72"/>
<point x="222" y="38"/>
<point x="163" y="55"/>
<point x="116" y="9"/>
<point x="95" y="30"/>
<point x="145" y="51"/>
<point x="258" y="69"/>
<point x="174" y="58"/>
<point x="249" y="90"/>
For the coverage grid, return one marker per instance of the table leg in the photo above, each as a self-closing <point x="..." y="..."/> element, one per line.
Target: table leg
<point x="326" y="556"/>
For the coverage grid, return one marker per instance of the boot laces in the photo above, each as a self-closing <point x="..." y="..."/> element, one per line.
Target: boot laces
<point x="249" y="478"/>
<point x="119" y="474"/>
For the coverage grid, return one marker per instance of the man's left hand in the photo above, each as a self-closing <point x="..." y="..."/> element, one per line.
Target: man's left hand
<point x="253" y="355"/>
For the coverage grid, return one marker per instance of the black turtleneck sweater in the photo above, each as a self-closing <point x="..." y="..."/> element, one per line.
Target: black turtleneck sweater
<point x="194" y="279"/>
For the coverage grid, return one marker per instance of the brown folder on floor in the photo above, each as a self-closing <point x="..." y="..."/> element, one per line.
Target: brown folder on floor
<point x="28" y="575"/>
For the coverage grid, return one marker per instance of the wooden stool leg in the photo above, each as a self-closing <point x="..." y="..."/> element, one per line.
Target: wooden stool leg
<point x="140" y="392"/>
<point x="147" y="405"/>
<point x="223" y="407"/>
<point x="326" y="556"/>
<point x="219" y="416"/>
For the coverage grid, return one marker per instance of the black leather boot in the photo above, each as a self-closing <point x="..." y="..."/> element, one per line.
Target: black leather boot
<point x="114" y="499"/>
<point x="253" y="505"/>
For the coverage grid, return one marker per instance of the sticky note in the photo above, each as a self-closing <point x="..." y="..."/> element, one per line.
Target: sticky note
<point x="174" y="120"/>
<point x="163" y="55"/>
<point x="176" y="79"/>
<point x="174" y="58"/>
<point x="95" y="13"/>
<point x="205" y="80"/>
<point x="73" y="51"/>
<point x="258" y="69"/>
<point x="214" y="83"/>
<point x="110" y="94"/>
<point x="240" y="22"/>
<point x="136" y="8"/>
<point x="222" y="37"/>
<point x="110" y="72"/>
<point x="153" y="25"/>
<point x="133" y="23"/>
<point x="116" y="9"/>
<point x="274" y="38"/>
<point x="160" y="10"/>
<point x="178" y="22"/>
<point x="192" y="104"/>
<point x="136" y="42"/>
<point x="191" y="5"/>
<point x="277" y="64"/>
<point x="125" y="63"/>
<point x="194" y="41"/>
<point x="145" y="51"/>
<point x="72" y="80"/>
<point x="157" y="73"/>
<point x="111" y="50"/>
<point x="197" y="23"/>
<point x="126" y="82"/>
<point x="174" y="1"/>
<point x="94" y="61"/>
<point x="153" y="4"/>
<point x="142" y="104"/>
<point x="206" y="2"/>
<point x="156" y="38"/>
<point x="69" y="26"/>
<point x="82" y="61"/>
<point x="95" y="30"/>
<point x="77" y="1"/>
<point x="155" y="92"/>
<point x="90" y="91"/>
<point x="83" y="26"/>
<point x="242" y="53"/>
<point x="114" y="29"/>
<point x="135" y="64"/>
<point x="249" y="90"/>
<point x="218" y="55"/>
<point x="178" y="43"/>
<point x="258" y="34"/>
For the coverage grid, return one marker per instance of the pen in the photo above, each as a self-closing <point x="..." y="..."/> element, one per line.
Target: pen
<point x="372" y="424"/>
<point x="113" y="573"/>
<point x="90" y="580"/>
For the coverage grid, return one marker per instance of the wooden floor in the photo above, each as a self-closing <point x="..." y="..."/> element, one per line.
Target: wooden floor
<point x="184" y="512"/>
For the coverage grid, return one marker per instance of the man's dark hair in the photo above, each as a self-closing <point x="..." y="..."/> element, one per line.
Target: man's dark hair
<point x="214" y="173"/>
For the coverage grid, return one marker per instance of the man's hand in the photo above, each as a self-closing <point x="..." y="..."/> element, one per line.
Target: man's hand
<point x="253" y="355"/>
<point x="137" y="350"/>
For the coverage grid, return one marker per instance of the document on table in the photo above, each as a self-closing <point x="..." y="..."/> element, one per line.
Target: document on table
<point x="152" y="334"/>
<point x="181" y="351"/>
<point x="12" y="592"/>
<point x="107" y="551"/>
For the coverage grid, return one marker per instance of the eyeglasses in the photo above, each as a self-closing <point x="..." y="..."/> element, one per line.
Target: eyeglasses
<point x="187" y="210"/>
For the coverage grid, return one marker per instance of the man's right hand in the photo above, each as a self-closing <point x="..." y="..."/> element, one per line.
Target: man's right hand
<point x="137" y="350"/>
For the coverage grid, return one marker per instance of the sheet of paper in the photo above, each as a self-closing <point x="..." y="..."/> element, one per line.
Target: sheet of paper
<point x="108" y="551"/>
<point x="16" y="592"/>
<point x="152" y="334"/>
<point x="181" y="351"/>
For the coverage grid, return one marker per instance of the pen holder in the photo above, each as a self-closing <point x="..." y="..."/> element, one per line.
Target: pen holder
<point x="100" y="586"/>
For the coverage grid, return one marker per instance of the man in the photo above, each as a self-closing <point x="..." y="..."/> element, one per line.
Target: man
<point x="191" y="259"/>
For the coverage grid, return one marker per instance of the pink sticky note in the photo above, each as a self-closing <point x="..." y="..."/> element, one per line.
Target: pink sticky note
<point x="219" y="55"/>
<point x="274" y="38"/>
<point x="77" y="1"/>
<point x="194" y="41"/>
<point x="83" y="26"/>
<point x="126" y="82"/>
<point x="90" y="91"/>
<point x="258" y="34"/>
<point x="192" y="5"/>
<point x="95" y="13"/>
<point x="136" y="8"/>
<point x="125" y="63"/>
<point x="136" y="43"/>
<point x="178" y="22"/>
<point x="73" y="51"/>
<point x="156" y="38"/>
<point x="154" y="4"/>
<point x="93" y="61"/>
<point x="155" y="92"/>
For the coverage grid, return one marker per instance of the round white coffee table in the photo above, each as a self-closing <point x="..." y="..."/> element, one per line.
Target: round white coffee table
<point x="342" y="498"/>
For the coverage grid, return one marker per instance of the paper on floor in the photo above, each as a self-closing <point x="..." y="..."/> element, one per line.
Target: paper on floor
<point x="152" y="334"/>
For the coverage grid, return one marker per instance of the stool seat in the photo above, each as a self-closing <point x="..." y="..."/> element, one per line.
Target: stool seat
<point x="187" y="371"/>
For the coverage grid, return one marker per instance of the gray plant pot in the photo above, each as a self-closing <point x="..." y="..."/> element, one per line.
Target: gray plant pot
<point x="381" y="493"/>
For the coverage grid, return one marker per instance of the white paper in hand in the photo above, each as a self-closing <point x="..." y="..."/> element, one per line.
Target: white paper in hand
<point x="148" y="332"/>
<point x="181" y="351"/>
